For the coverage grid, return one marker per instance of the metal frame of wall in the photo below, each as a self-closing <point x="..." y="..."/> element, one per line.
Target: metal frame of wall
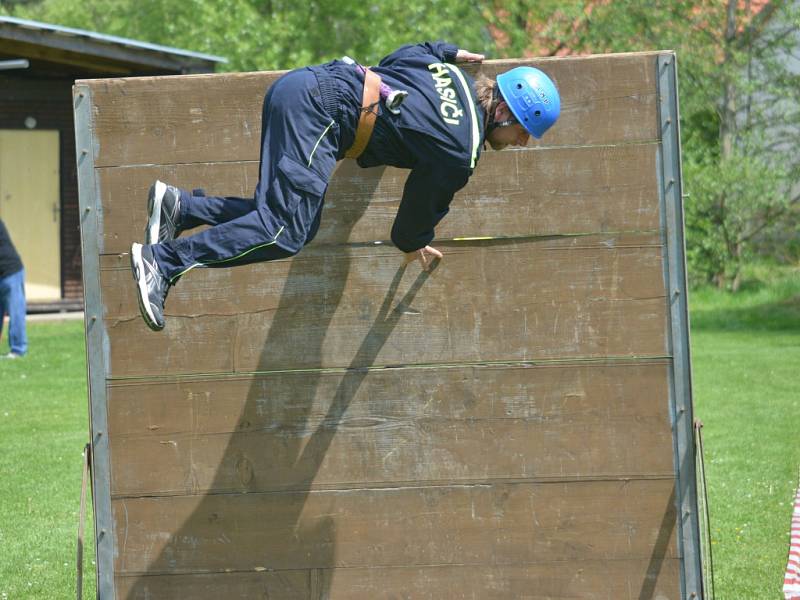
<point x="96" y="344"/>
<point x="681" y="405"/>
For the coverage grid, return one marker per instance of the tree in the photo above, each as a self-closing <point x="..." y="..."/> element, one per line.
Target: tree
<point x="269" y="34"/>
<point x="740" y="105"/>
<point x="738" y="67"/>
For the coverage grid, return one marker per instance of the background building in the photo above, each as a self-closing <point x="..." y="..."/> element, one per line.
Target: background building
<point x="38" y="182"/>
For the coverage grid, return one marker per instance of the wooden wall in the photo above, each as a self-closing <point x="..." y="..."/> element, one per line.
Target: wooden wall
<point x="338" y="426"/>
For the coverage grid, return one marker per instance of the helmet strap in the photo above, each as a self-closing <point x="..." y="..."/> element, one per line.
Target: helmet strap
<point x="491" y="124"/>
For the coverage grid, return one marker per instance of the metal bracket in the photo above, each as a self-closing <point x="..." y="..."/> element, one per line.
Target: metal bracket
<point x="681" y="408"/>
<point x="96" y="339"/>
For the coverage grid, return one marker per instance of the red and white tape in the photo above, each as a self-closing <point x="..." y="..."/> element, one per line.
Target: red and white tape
<point x="791" y="581"/>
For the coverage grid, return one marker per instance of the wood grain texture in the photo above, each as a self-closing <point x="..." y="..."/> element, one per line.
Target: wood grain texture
<point x="197" y="119"/>
<point x="584" y="580"/>
<point x="352" y="454"/>
<point x="360" y="308"/>
<point x="605" y="99"/>
<point x="178" y="119"/>
<point x="550" y="191"/>
<point x="248" y="403"/>
<point x="336" y="426"/>
<point x="484" y="524"/>
<point x="286" y="431"/>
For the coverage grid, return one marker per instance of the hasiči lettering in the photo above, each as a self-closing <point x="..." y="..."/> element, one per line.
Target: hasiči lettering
<point x="450" y="109"/>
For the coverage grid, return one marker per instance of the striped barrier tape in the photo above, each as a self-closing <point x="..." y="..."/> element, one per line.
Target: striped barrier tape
<point x="791" y="581"/>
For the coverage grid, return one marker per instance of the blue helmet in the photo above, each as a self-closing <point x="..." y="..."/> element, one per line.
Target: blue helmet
<point x="532" y="97"/>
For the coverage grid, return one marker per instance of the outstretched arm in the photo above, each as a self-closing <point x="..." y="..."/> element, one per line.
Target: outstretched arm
<point x="426" y="200"/>
<point x="441" y="50"/>
<point x="463" y="56"/>
<point x="425" y="256"/>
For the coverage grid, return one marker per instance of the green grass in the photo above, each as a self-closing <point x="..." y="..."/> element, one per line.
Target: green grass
<point x="746" y="358"/>
<point x="43" y="428"/>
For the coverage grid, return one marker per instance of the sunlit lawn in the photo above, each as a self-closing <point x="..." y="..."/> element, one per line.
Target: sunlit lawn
<point x="746" y="362"/>
<point x="43" y="429"/>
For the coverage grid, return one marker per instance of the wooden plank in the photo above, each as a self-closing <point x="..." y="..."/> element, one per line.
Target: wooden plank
<point x="488" y="524"/>
<point x="178" y="119"/>
<point x="351" y="454"/>
<point x="249" y="403"/>
<point x="215" y="118"/>
<point x="297" y="430"/>
<point x="587" y="580"/>
<point x="358" y="308"/>
<point x="549" y="191"/>
<point x="605" y="99"/>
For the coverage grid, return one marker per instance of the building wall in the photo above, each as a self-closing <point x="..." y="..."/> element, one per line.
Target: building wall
<point x="49" y="101"/>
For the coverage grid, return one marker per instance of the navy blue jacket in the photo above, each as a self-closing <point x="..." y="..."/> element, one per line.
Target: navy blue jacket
<point x="309" y="120"/>
<point x="10" y="262"/>
<point x="438" y="135"/>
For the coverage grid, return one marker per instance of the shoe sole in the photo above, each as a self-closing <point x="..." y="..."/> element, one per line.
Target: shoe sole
<point x="141" y="288"/>
<point x="154" y="200"/>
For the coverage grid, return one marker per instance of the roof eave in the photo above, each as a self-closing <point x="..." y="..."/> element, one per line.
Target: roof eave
<point x="127" y="52"/>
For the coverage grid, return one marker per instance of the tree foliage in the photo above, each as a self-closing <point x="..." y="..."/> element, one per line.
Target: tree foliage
<point x="738" y="64"/>
<point x="269" y="34"/>
<point x="740" y="106"/>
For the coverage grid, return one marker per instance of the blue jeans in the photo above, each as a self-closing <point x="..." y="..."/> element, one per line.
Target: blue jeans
<point x="12" y="303"/>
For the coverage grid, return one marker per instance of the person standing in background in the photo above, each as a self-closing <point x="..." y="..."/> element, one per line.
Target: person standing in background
<point x="12" y="295"/>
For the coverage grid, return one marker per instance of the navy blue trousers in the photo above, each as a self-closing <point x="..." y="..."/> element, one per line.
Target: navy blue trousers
<point x="300" y="144"/>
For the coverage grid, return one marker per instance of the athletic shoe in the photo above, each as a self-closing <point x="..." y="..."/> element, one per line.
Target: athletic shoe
<point x="151" y="286"/>
<point x="11" y="355"/>
<point x="163" y="213"/>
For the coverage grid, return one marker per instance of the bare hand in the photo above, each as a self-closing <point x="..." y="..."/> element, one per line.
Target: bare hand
<point x="425" y="256"/>
<point x="467" y="56"/>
